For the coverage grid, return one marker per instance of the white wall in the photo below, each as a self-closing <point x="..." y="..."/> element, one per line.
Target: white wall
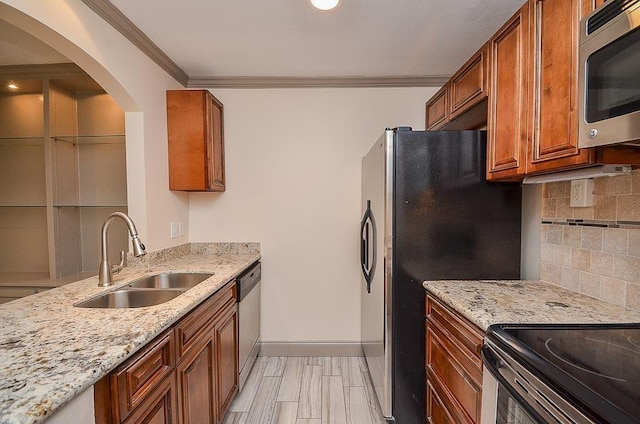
<point x="136" y="83"/>
<point x="293" y="160"/>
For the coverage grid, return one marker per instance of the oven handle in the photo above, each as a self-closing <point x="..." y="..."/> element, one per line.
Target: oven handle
<point x="497" y="367"/>
<point x="537" y="404"/>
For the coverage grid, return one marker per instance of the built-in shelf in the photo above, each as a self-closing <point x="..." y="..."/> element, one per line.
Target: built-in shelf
<point x="91" y="139"/>
<point x="21" y="141"/>
<point x="62" y="172"/>
<point x="14" y="285"/>
<point x="40" y="279"/>
<point x="22" y="206"/>
<point x="90" y="206"/>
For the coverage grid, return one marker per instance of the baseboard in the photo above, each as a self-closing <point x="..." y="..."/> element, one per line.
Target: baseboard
<point x="311" y="349"/>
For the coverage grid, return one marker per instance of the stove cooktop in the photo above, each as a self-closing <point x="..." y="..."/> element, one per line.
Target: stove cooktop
<point x="596" y="367"/>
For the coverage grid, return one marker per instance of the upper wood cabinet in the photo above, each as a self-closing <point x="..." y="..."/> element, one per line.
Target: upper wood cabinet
<point x="438" y="109"/>
<point x="533" y="94"/>
<point x="508" y="99"/>
<point x="553" y="78"/>
<point x="468" y="86"/>
<point x="455" y="105"/>
<point x="196" y="141"/>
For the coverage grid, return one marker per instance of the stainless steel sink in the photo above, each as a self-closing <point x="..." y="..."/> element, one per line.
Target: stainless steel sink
<point x="130" y="298"/>
<point x="177" y="280"/>
<point x="147" y="291"/>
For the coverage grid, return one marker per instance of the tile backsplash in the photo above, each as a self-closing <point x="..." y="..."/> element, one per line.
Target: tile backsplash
<point x="594" y="250"/>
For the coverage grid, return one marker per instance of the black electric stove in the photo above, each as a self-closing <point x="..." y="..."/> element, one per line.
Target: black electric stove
<point x="595" y="368"/>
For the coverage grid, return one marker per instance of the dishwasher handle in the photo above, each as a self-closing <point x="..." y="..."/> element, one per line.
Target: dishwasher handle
<point x="248" y="280"/>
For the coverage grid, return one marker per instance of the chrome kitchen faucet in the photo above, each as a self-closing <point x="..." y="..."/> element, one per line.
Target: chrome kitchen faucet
<point x="106" y="271"/>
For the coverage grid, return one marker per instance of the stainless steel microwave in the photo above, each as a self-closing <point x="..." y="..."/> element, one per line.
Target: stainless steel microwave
<point x="609" y="75"/>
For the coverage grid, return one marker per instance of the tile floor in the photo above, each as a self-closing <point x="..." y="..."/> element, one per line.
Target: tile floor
<point x="306" y="390"/>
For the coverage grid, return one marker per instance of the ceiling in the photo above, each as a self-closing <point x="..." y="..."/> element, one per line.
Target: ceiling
<point x="289" y="39"/>
<point x="207" y="41"/>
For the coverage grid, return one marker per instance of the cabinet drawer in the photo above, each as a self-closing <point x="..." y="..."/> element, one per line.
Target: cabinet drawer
<point x="437" y="412"/>
<point x="133" y="381"/>
<point x="447" y="368"/>
<point x="458" y="329"/>
<point x="159" y="407"/>
<point x="189" y="330"/>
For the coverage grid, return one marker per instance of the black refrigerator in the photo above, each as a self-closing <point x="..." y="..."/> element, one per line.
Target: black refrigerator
<point x="428" y="213"/>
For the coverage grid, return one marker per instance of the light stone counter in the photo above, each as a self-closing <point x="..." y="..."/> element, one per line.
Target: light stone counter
<point x="51" y="351"/>
<point x="524" y="301"/>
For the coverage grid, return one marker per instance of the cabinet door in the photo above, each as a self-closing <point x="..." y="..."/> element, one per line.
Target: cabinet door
<point x="196" y="144"/>
<point x="226" y="341"/>
<point x="159" y="407"/>
<point x="468" y="86"/>
<point x="553" y="81"/>
<point x="196" y="383"/>
<point x="215" y="144"/>
<point x="438" y="109"/>
<point x="508" y="99"/>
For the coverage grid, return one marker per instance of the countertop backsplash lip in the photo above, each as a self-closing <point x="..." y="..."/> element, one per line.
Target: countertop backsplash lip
<point x="487" y="302"/>
<point x="51" y="351"/>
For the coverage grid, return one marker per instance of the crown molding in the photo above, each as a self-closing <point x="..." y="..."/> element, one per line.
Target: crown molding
<point x="53" y="70"/>
<point x="112" y="15"/>
<point x="317" y="82"/>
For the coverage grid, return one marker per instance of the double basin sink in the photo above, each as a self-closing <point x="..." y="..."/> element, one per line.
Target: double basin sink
<point x="147" y="291"/>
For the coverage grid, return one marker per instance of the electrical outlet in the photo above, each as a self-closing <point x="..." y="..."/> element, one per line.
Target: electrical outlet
<point x="174" y="230"/>
<point x="581" y="193"/>
<point x="180" y="229"/>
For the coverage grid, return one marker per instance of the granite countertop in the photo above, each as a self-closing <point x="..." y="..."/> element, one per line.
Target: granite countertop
<point x="51" y="351"/>
<point x="524" y="301"/>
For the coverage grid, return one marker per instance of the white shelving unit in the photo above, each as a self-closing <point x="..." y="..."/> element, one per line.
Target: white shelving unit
<point x="62" y="172"/>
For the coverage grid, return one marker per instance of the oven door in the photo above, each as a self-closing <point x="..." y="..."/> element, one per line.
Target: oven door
<point x="608" y="74"/>
<point x="499" y="406"/>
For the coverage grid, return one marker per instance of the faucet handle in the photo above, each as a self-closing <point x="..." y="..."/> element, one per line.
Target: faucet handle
<point x="117" y="268"/>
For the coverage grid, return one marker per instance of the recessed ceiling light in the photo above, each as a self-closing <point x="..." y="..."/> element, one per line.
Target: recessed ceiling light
<point x="325" y="4"/>
<point x="12" y="85"/>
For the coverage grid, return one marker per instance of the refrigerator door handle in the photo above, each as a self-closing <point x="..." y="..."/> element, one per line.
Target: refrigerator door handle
<point x="368" y="246"/>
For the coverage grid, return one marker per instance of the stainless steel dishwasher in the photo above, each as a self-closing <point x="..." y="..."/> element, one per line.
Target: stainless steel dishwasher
<point x="248" y="320"/>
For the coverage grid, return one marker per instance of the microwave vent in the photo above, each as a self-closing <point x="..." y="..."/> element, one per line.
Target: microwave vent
<point x="608" y="12"/>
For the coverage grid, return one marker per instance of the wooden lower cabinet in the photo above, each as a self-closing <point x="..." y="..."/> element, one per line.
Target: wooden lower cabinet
<point x="187" y="375"/>
<point x="196" y="376"/>
<point x="226" y="341"/>
<point x="438" y="413"/>
<point x="454" y="366"/>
